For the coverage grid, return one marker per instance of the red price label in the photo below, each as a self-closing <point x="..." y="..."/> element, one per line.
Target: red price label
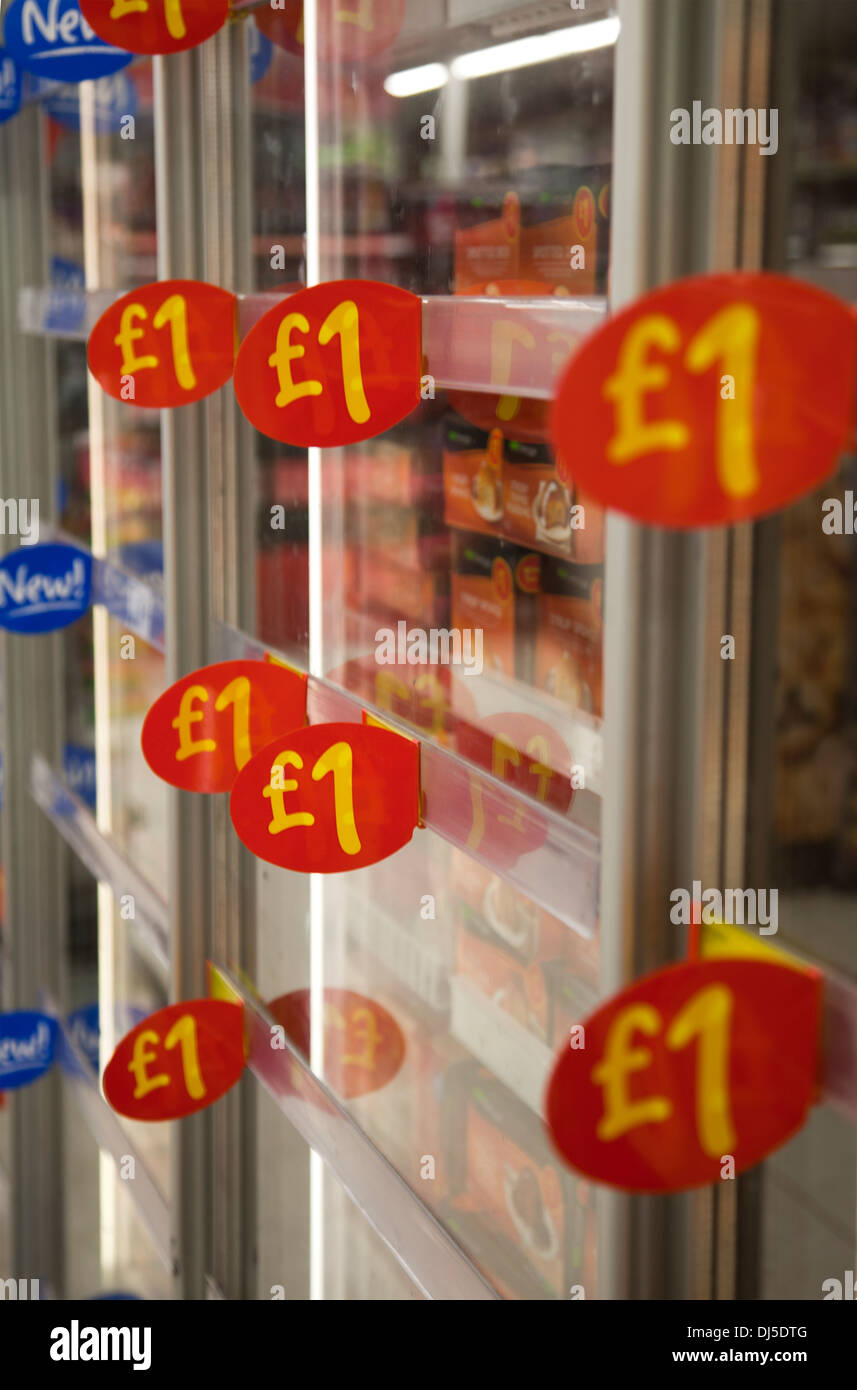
<point x="363" y="1044"/>
<point x="155" y="26"/>
<point x="714" y="400"/>
<point x="329" y="797"/>
<point x="348" y="30"/>
<point x="178" y="1060"/>
<point x="530" y="756"/>
<point x="335" y="364"/>
<point x="200" y="733"/>
<point x="169" y="343"/>
<point x="692" y="1066"/>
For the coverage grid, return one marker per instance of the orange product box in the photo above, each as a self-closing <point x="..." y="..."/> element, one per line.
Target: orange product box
<point x="517" y="989"/>
<point x="506" y="917"/>
<point x="487" y="249"/>
<point x="472" y="476"/>
<point x="412" y="593"/>
<point x="562" y="252"/>
<point x="511" y="1178"/>
<point x="572" y="999"/>
<point x="568" y="660"/>
<point x="537" y="507"/>
<point x="494" y="588"/>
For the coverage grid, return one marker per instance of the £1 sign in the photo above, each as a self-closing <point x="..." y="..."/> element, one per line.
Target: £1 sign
<point x="333" y="364"/>
<point x="714" y="400"/>
<point x="692" y="1066"/>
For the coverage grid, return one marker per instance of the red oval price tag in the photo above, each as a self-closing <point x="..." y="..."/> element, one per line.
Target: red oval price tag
<point x="169" y="343"/>
<point x="332" y="365"/>
<point x="329" y="797"/>
<point x="364" y="1046"/>
<point x="692" y="1066"/>
<point x="177" y="1061"/>
<point x="155" y="26"/>
<point x="714" y="400"/>
<point x="202" y="730"/>
<point x="348" y="30"/>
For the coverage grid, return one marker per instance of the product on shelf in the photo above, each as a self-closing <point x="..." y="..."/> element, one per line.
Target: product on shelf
<point x="537" y="507"/>
<point x="569" y="638"/>
<point x="472" y="476"/>
<point x="495" y="911"/>
<point x="487" y="248"/>
<point x="517" y="989"/>
<point x="494" y="589"/>
<point x="505" y="1175"/>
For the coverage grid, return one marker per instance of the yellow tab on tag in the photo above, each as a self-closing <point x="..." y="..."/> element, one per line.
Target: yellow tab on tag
<point x="220" y="988"/>
<point x="723" y="939"/>
<point x="276" y="661"/>
<point x="382" y="724"/>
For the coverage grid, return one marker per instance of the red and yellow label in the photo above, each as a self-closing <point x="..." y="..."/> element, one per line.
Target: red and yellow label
<point x="200" y="733"/>
<point x="333" y="365"/>
<point x="166" y="344"/>
<point x="714" y="400"/>
<point x="363" y="1045"/>
<point x="177" y="1061"/>
<point x="155" y="26"/>
<point x="328" y="798"/>
<point x="693" y="1066"/>
<point x="348" y="30"/>
<point x="528" y="755"/>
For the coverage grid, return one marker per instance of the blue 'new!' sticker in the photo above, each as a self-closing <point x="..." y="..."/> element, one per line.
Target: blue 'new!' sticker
<point x="10" y="87"/>
<point x="52" y="39"/>
<point x="44" y="587"/>
<point x="27" y="1044"/>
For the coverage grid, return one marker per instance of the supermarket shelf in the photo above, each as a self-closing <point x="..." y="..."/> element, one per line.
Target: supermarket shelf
<point x="560" y="874"/>
<point x="515" y="1056"/>
<point x="110" y="1136"/>
<point x="419" y="1242"/>
<point x="456" y="329"/>
<point x="104" y="858"/>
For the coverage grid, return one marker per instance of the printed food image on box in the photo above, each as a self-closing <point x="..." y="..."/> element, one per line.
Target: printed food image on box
<point x="510" y="1178"/>
<point x="569" y="638"/>
<point x="537" y="508"/>
<point x="517" y="989"/>
<point x="472" y="476"/>
<point x="507" y="918"/>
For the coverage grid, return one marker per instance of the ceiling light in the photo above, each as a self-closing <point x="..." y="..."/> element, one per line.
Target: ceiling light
<point x="412" y="80"/>
<point x="539" y="48"/>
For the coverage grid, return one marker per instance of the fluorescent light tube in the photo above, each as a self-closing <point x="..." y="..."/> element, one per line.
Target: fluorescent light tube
<point x="412" y="80"/>
<point x="539" y="48"/>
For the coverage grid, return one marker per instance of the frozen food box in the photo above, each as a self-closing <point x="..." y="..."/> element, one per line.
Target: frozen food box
<point x="537" y="507"/>
<point x="472" y="476"/>
<point x="520" y="990"/>
<point x="494" y="589"/>
<point x="509" y="920"/>
<point x="486" y="240"/>
<point x="572" y="999"/>
<point x="568" y="660"/>
<point x="503" y="1170"/>
<point x="565" y="225"/>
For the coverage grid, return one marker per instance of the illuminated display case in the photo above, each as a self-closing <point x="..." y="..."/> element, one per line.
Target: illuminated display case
<point x="583" y="747"/>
